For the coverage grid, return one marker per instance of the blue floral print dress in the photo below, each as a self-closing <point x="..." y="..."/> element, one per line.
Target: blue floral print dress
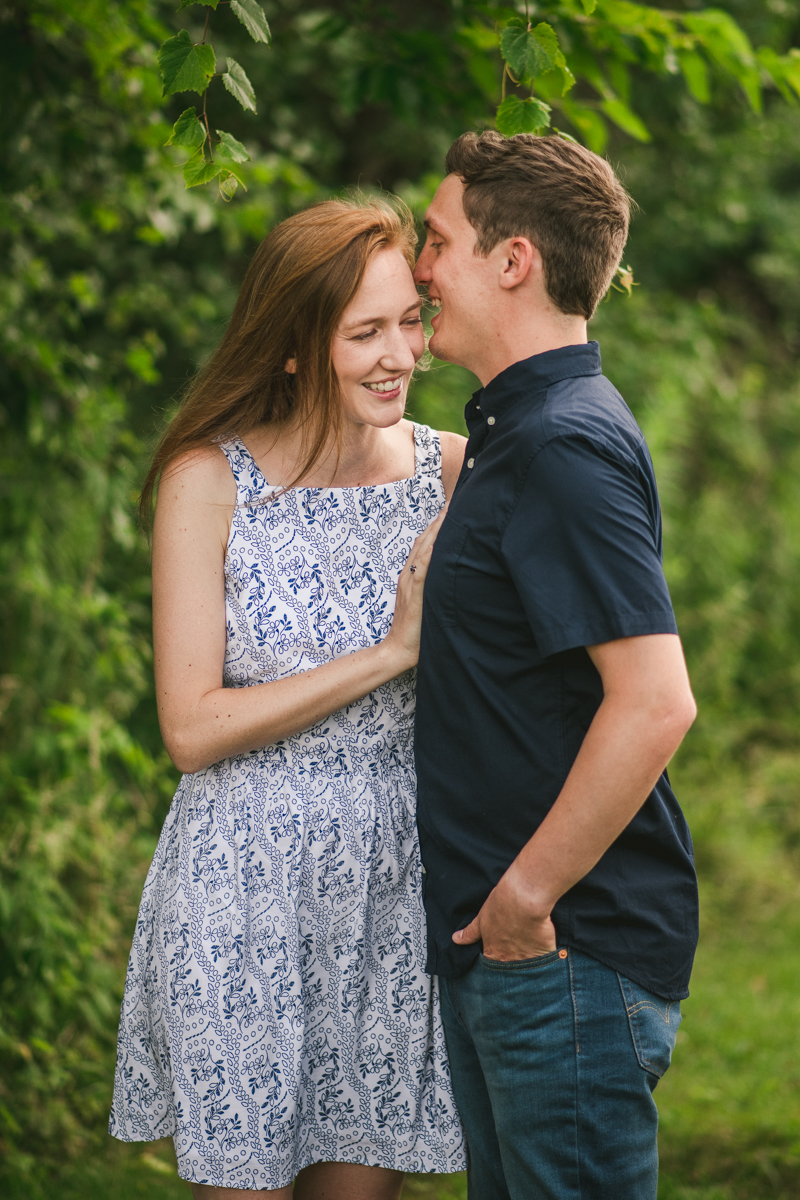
<point x="276" y="1009"/>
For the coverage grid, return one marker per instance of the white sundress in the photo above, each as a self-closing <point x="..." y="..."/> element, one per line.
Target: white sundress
<point x="276" y="1010"/>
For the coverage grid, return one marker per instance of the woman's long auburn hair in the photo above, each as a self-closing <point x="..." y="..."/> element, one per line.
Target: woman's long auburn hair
<point x="302" y="278"/>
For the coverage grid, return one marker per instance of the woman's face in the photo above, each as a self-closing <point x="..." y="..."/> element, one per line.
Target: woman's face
<point x="378" y="342"/>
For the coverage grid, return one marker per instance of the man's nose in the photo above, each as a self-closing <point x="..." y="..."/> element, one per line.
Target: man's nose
<point x="422" y="271"/>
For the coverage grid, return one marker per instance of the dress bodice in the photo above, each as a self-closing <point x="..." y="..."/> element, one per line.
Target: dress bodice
<point x="311" y="574"/>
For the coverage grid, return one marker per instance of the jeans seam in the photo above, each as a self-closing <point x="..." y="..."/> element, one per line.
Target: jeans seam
<point x="457" y="1006"/>
<point x="576" y="1028"/>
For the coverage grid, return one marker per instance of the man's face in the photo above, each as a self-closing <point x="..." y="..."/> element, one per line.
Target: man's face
<point x="461" y="283"/>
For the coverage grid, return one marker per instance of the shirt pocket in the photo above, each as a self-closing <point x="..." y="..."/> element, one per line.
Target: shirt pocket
<point x="440" y="586"/>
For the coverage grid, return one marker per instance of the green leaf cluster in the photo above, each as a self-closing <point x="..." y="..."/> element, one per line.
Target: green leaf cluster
<point x="599" y="44"/>
<point x="190" y="66"/>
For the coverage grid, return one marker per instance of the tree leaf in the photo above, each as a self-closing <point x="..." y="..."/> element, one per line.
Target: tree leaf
<point x="184" y="66"/>
<point x="622" y="116"/>
<point x="589" y="6"/>
<point x="228" y="184"/>
<point x="206" y="3"/>
<point x="525" y="54"/>
<point x="229" y="172"/>
<point x="534" y="52"/>
<point x="239" y="85"/>
<point x="253" y="18"/>
<point x="187" y="131"/>
<point x="198" y="170"/>
<point x="784" y="70"/>
<point x="729" y="46"/>
<point x="522" y="116"/>
<point x="695" y="72"/>
<point x="229" y="147"/>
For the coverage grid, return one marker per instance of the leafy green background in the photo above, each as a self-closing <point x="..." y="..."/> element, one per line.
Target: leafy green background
<point x="117" y="281"/>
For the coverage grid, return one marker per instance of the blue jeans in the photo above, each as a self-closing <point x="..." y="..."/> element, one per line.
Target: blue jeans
<point x="554" y="1061"/>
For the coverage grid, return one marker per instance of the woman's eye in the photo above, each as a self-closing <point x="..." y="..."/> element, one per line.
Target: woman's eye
<point x="414" y="321"/>
<point x="364" y="337"/>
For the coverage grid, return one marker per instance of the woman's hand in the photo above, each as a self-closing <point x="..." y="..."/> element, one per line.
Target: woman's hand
<point x="402" y="640"/>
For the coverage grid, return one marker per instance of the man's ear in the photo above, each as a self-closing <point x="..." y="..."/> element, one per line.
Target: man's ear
<point x="521" y="260"/>
<point x="290" y="366"/>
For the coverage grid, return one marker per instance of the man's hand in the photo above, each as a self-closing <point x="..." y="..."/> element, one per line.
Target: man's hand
<point x="510" y="924"/>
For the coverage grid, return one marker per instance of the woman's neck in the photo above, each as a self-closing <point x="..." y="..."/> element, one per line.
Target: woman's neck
<point x="368" y="455"/>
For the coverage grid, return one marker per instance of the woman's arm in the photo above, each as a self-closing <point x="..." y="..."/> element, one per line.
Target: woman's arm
<point x="453" y="446"/>
<point x="202" y="721"/>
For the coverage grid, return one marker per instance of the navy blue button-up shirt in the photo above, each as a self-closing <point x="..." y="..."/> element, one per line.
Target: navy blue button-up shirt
<point x="552" y="543"/>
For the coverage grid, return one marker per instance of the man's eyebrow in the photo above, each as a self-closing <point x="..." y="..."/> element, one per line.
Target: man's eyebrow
<point x="429" y="224"/>
<point x="377" y="320"/>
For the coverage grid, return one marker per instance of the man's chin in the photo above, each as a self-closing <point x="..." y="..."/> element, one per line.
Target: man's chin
<point x="439" y="348"/>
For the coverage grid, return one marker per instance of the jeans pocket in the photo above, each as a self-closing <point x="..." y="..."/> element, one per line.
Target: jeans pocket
<point x="653" y="1024"/>
<point x="521" y="964"/>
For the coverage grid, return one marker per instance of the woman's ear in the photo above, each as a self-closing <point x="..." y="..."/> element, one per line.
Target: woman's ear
<point x="291" y="366"/>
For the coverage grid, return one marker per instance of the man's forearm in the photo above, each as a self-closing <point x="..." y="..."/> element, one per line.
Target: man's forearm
<point x="623" y="754"/>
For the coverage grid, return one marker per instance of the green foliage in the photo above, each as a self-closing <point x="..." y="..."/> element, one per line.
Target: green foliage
<point x="522" y="116"/>
<point x="190" y="66"/>
<point x="531" y="52"/>
<point x="231" y="148"/>
<point x="187" y="131"/>
<point x="598" y="44"/>
<point x="594" y="43"/>
<point x="253" y="18"/>
<point x="185" y="67"/>
<point x="239" y="85"/>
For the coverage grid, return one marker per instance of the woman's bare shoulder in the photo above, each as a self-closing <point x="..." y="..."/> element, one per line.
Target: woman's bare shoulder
<point x="203" y="473"/>
<point x="453" y="446"/>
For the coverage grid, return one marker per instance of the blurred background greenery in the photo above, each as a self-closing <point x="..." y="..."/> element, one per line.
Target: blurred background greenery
<point x="116" y="283"/>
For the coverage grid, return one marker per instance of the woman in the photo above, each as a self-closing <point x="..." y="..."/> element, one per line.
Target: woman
<point x="277" y="1020"/>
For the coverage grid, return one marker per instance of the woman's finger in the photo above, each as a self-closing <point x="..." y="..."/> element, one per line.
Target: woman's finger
<point x="423" y="546"/>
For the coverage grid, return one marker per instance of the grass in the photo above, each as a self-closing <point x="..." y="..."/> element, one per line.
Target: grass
<point x="730" y="1104"/>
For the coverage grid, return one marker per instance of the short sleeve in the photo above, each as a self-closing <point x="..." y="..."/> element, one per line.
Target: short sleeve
<point x="583" y="548"/>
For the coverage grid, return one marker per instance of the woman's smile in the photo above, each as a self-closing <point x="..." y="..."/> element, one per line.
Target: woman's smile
<point x="386" y="387"/>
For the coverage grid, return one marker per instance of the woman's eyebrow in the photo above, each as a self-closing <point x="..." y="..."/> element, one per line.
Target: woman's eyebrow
<point x="379" y="320"/>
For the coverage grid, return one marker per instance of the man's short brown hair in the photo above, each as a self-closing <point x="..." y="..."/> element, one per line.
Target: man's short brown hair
<point x="560" y="195"/>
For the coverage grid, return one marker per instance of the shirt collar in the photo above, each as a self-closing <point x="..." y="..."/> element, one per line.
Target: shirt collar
<point x="532" y="375"/>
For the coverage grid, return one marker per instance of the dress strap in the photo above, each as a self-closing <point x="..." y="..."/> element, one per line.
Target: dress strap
<point x="427" y="452"/>
<point x="250" y="483"/>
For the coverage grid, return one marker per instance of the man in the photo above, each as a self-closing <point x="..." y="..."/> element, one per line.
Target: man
<point x="552" y="692"/>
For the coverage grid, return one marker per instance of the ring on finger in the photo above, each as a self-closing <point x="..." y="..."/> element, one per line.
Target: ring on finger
<point x="412" y="568"/>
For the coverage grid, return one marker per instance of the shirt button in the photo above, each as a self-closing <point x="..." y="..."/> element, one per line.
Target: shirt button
<point x="470" y="462"/>
<point x="490" y="420"/>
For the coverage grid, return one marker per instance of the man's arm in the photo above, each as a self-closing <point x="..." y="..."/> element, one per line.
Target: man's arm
<point x="647" y="708"/>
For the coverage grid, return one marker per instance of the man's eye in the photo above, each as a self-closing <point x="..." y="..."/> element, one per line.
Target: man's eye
<point x="435" y="245"/>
